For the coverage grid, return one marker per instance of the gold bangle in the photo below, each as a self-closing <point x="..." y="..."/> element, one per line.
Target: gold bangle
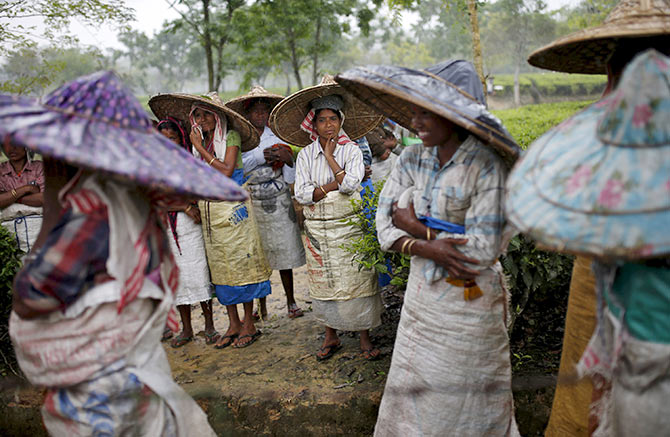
<point x="14" y="193"/>
<point x="339" y="173"/>
<point x="427" y="233"/>
<point x="188" y="208"/>
<point x="409" y="247"/>
<point x="211" y="160"/>
<point x="404" y="244"/>
<point x="325" y="193"/>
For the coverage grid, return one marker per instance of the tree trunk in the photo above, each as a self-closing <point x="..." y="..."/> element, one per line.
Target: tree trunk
<point x="517" y="93"/>
<point x="288" y="83"/>
<point x="476" y="43"/>
<point x="315" y="56"/>
<point x="207" y="45"/>
<point x="295" y="64"/>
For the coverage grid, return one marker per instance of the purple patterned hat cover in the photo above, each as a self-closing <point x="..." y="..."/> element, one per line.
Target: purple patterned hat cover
<point x="96" y="122"/>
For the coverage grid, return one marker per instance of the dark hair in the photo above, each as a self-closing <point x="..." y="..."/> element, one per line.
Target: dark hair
<point x="258" y="100"/>
<point x="627" y="49"/>
<point x="318" y="111"/>
<point x="172" y="124"/>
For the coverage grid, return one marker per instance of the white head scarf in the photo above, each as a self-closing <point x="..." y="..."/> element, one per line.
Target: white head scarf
<point x="218" y="145"/>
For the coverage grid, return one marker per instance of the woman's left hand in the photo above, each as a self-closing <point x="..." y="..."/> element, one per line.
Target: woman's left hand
<point x="405" y="218"/>
<point x="194" y="213"/>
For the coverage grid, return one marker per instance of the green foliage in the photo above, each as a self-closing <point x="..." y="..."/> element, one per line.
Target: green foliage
<point x="552" y="84"/>
<point x="56" y="16"/>
<point x="529" y="122"/>
<point x="531" y="271"/>
<point x="366" y="249"/>
<point x="9" y="254"/>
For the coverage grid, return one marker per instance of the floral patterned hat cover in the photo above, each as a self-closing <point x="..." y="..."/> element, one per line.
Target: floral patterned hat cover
<point x="599" y="183"/>
<point x="95" y="122"/>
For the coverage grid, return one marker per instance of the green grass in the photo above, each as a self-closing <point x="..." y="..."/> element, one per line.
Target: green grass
<point x="529" y="122"/>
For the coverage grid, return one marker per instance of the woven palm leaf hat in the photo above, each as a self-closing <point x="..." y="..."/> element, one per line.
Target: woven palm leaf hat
<point x="178" y="105"/>
<point x="598" y="184"/>
<point x="95" y="122"/>
<point x="588" y="50"/>
<point x="286" y="117"/>
<point x="242" y="103"/>
<point x="450" y="89"/>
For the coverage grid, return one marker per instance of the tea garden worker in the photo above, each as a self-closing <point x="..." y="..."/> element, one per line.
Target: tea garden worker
<point x="630" y="28"/>
<point x="188" y="249"/>
<point x="329" y="172"/>
<point x="87" y="319"/>
<point x="21" y="195"/>
<point x="597" y="185"/>
<point x="443" y="205"/>
<point x="270" y="171"/>
<point x="240" y="272"/>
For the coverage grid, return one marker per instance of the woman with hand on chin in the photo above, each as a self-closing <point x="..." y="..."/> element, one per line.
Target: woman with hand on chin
<point x="238" y="266"/>
<point x="442" y="205"/>
<point x="329" y="172"/>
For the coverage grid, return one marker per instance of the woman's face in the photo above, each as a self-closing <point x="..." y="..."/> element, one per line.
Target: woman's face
<point x="327" y="123"/>
<point x="172" y="135"/>
<point x="14" y="153"/>
<point x="259" y="114"/>
<point x="205" y="119"/>
<point x="432" y="129"/>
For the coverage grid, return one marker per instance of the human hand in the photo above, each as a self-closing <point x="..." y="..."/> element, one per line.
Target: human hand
<point x="194" y="213"/>
<point x="446" y="255"/>
<point x="404" y="218"/>
<point x="282" y="153"/>
<point x="196" y="136"/>
<point x="30" y="188"/>
<point x="368" y="172"/>
<point x="329" y="150"/>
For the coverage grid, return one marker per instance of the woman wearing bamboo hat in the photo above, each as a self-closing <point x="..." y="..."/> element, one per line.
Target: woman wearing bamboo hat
<point x="329" y="172"/>
<point x="270" y="168"/>
<point x="92" y="299"/>
<point x="443" y="205"/>
<point x="631" y="27"/>
<point x="239" y="269"/>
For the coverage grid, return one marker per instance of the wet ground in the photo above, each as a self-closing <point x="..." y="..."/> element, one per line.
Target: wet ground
<point x="276" y="386"/>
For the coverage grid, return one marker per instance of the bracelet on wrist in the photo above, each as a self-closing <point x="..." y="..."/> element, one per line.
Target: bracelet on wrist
<point x="339" y="173"/>
<point x="188" y="208"/>
<point x="211" y="160"/>
<point x="409" y="247"/>
<point x="325" y="193"/>
<point x="14" y="194"/>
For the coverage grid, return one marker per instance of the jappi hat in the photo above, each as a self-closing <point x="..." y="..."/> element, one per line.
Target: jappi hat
<point x="450" y="89"/>
<point x="178" y="105"/>
<point x="599" y="183"/>
<point x="95" y="122"/>
<point x="287" y="116"/>
<point x="588" y="50"/>
<point x="242" y="103"/>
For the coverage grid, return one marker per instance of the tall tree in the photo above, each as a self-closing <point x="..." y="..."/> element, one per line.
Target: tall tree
<point x="56" y="17"/>
<point x="513" y="29"/>
<point x="211" y="22"/>
<point x="298" y="32"/>
<point x="469" y="7"/>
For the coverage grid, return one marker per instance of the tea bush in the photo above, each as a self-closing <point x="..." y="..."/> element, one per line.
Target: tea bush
<point x="10" y="256"/>
<point x="552" y="84"/>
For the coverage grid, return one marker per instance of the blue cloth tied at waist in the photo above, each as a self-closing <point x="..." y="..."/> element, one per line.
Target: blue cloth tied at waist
<point x="442" y="225"/>
<point x="432" y="271"/>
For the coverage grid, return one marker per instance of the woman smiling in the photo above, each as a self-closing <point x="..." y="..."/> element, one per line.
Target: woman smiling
<point x="442" y="205"/>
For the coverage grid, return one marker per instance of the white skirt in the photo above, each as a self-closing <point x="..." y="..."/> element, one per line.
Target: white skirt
<point x="194" y="283"/>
